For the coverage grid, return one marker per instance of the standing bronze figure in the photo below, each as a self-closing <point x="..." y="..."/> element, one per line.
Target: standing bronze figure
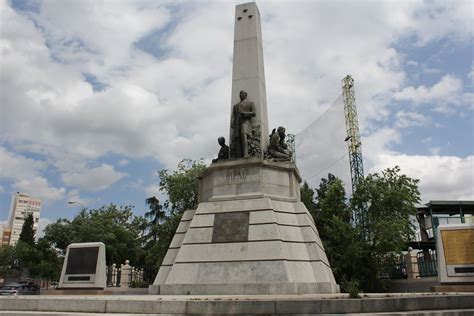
<point x="241" y="124"/>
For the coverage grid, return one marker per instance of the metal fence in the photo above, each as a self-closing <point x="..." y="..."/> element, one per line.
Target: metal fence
<point x="126" y="276"/>
<point x="395" y="267"/>
<point x="427" y="263"/>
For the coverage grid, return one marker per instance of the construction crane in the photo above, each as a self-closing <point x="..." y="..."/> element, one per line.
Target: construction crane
<point x="352" y="127"/>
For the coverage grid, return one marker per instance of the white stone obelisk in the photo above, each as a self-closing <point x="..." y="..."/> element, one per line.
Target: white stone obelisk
<point x="248" y="72"/>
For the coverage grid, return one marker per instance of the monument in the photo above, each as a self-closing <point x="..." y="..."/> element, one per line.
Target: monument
<point x="84" y="267"/>
<point x="250" y="233"/>
<point x="455" y="248"/>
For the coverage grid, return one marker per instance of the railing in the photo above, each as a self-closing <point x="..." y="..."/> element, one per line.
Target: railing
<point x="427" y="263"/>
<point x="125" y="275"/>
<point x="395" y="267"/>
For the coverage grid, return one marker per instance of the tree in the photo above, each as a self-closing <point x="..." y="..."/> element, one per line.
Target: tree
<point x="116" y="227"/>
<point x="156" y="216"/>
<point x="7" y="258"/>
<point x="181" y="185"/>
<point x="27" y="234"/>
<point x="383" y="204"/>
<point x="307" y="197"/>
<point x="47" y="264"/>
<point x="339" y="237"/>
<point x="358" y="250"/>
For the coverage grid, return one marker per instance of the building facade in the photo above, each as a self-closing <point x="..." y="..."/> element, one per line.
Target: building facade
<point x="21" y="206"/>
<point x="2" y="230"/>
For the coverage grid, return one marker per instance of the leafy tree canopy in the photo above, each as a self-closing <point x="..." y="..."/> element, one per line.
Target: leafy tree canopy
<point x="360" y="235"/>
<point x="27" y="234"/>
<point x="116" y="227"/>
<point x="181" y="185"/>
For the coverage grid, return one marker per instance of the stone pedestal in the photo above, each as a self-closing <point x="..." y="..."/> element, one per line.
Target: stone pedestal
<point x="84" y="267"/>
<point x="125" y="275"/>
<point x="250" y="234"/>
<point x="411" y="260"/>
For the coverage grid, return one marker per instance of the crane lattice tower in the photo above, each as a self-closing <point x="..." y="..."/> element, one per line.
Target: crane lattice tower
<point x="352" y="127"/>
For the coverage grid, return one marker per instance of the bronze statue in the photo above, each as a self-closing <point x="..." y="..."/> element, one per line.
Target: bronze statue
<point x="278" y="148"/>
<point x="241" y="125"/>
<point x="223" y="152"/>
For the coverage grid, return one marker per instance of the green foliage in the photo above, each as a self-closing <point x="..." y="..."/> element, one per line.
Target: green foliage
<point x="307" y="197"/>
<point x="181" y="185"/>
<point x="359" y="237"/>
<point x="157" y="251"/>
<point x="40" y="259"/>
<point x="27" y="234"/>
<point x="116" y="227"/>
<point x="352" y="287"/>
<point x="339" y="237"/>
<point x="47" y="264"/>
<point x="383" y="204"/>
<point x="386" y="201"/>
<point x="7" y="257"/>
<point x="156" y="216"/>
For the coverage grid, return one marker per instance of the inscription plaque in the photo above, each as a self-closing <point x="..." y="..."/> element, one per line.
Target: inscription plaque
<point x="458" y="246"/>
<point x="236" y="175"/>
<point x="82" y="260"/>
<point x="231" y="227"/>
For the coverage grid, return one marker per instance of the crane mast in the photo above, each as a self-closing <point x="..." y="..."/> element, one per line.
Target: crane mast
<point x="354" y="144"/>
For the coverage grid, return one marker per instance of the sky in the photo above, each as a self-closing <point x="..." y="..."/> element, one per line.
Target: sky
<point x="97" y="96"/>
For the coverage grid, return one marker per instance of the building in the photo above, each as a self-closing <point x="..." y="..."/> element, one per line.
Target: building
<point x="434" y="213"/>
<point x="2" y="230"/>
<point x="5" y="236"/>
<point x="22" y="205"/>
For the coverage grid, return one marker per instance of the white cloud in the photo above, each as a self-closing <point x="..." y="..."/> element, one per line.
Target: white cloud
<point x="441" y="177"/>
<point x="470" y="75"/>
<point x="25" y="174"/>
<point x="437" y="19"/>
<point x="75" y="196"/>
<point x="38" y="186"/>
<point x="166" y="107"/>
<point x="15" y="166"/>
<point x="123" y="162"/>
<point x="406" y="119"/>
<point x="153" y="190"/>
<point x="175" y="103"/>
<point x="43" y="222"/>
<point x="435" y="151"/>
<point x="446" y="91"/>
<point x="93" y="179"/>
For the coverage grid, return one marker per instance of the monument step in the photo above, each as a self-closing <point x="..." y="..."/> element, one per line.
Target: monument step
<point x="371" y="304"/>
<point x="456" y="312"/>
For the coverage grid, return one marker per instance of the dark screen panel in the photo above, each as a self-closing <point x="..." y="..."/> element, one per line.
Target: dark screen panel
<point x="82" y="260"/>
<point x="79" y="278"/>
<point x="464" y="270"/>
